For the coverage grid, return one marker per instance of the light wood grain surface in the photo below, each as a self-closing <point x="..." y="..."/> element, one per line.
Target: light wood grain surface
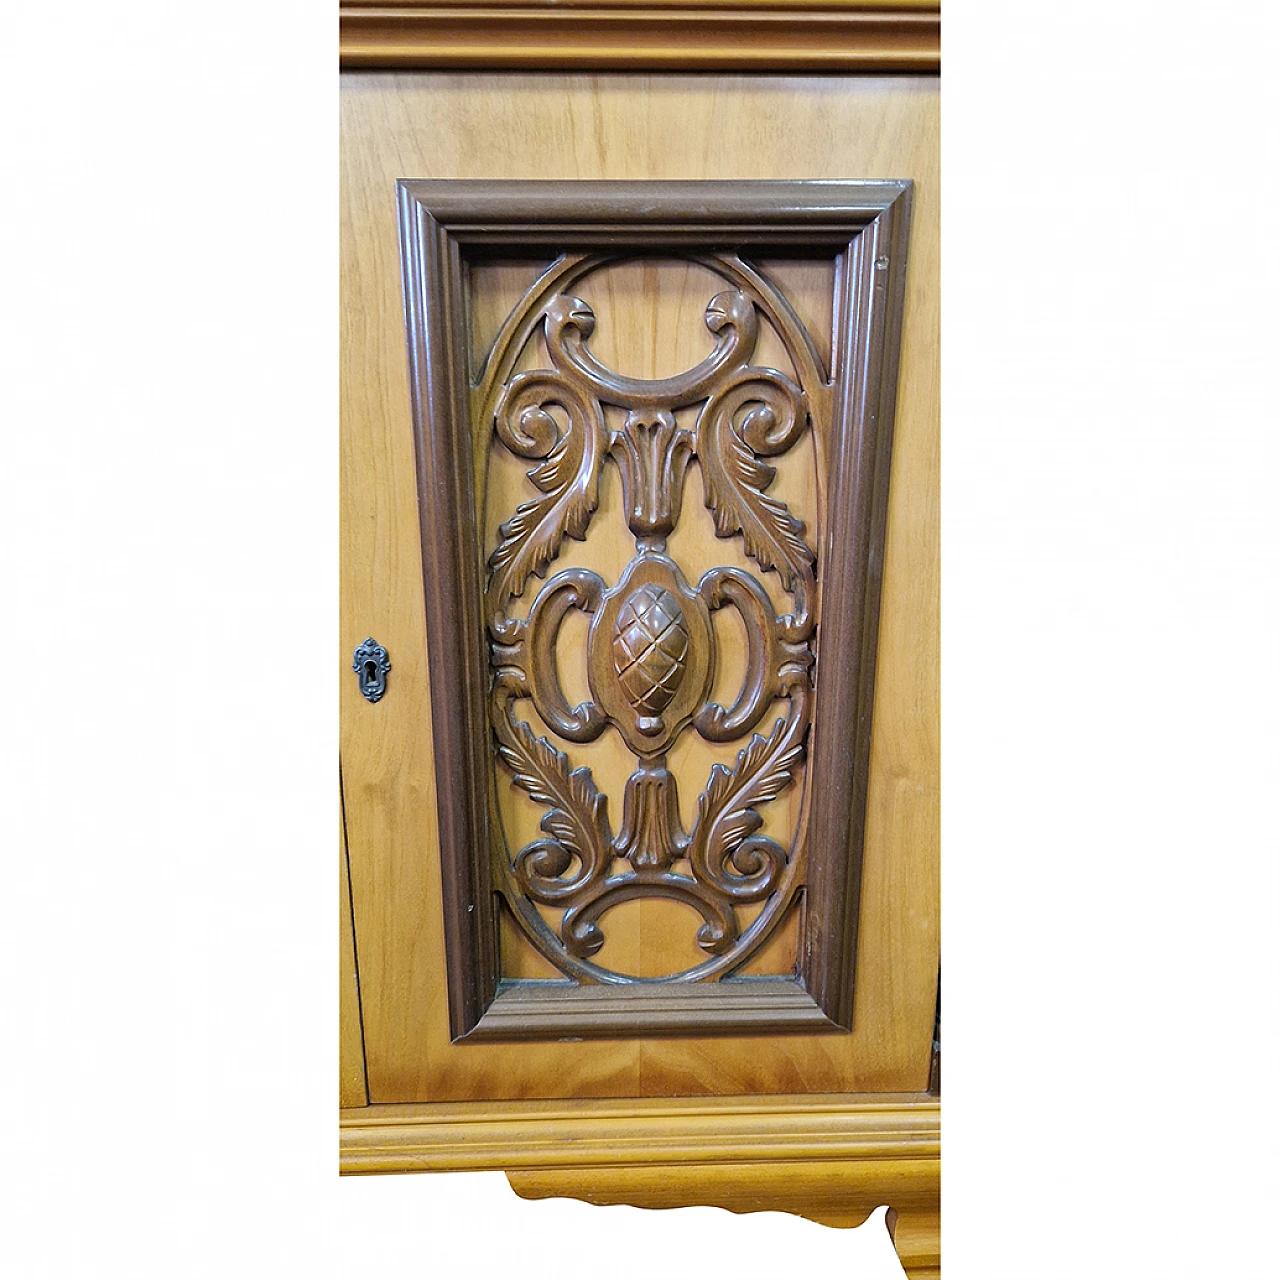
<point x="351" y="1082"/>
<point x="616" y="126"/>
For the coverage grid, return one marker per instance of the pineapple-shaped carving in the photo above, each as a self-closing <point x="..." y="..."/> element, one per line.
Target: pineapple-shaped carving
<point x="649" y="646"/>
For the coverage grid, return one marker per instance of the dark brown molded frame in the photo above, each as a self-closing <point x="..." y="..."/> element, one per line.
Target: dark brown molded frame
<point x="863" y="224"/>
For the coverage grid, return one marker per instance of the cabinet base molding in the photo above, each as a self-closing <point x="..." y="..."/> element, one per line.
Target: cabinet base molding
<point x="832" y="1158"/>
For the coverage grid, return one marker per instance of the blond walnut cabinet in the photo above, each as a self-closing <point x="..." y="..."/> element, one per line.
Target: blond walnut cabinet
<point x="825" y="1123"/>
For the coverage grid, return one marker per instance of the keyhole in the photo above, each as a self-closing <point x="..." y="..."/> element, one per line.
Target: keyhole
<point x="370" y="672"/>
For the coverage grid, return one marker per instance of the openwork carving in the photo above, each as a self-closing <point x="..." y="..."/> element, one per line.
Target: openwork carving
<point x="496" y="614"/>
<point x="650" y="656"/>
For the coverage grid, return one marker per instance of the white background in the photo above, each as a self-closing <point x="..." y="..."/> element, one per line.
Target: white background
<point x="168" y="528"/>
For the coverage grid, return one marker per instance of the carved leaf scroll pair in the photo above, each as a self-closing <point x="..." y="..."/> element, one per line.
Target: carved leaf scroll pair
<point x="651" y="651"/>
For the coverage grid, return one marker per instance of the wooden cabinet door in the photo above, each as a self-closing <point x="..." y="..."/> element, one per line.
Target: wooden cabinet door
<point x="520" y="125"/>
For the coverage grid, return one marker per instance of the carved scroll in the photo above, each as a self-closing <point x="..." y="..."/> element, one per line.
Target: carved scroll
<point x="651" y="654"/>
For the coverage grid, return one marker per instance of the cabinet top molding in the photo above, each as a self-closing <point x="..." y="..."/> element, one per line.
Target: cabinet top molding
<point x="646" y="35"/>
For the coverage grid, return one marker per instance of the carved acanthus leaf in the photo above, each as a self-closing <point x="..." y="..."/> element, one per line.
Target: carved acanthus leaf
<point x="764" y="768"/>
<point x="735" y="481"/>
<point x="724" y="834"/>
<point x="578" y="817"/>
<point x="569" y="477"/>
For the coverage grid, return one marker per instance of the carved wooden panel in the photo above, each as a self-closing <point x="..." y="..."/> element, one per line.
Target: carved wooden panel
<point x="500" y="607"/>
